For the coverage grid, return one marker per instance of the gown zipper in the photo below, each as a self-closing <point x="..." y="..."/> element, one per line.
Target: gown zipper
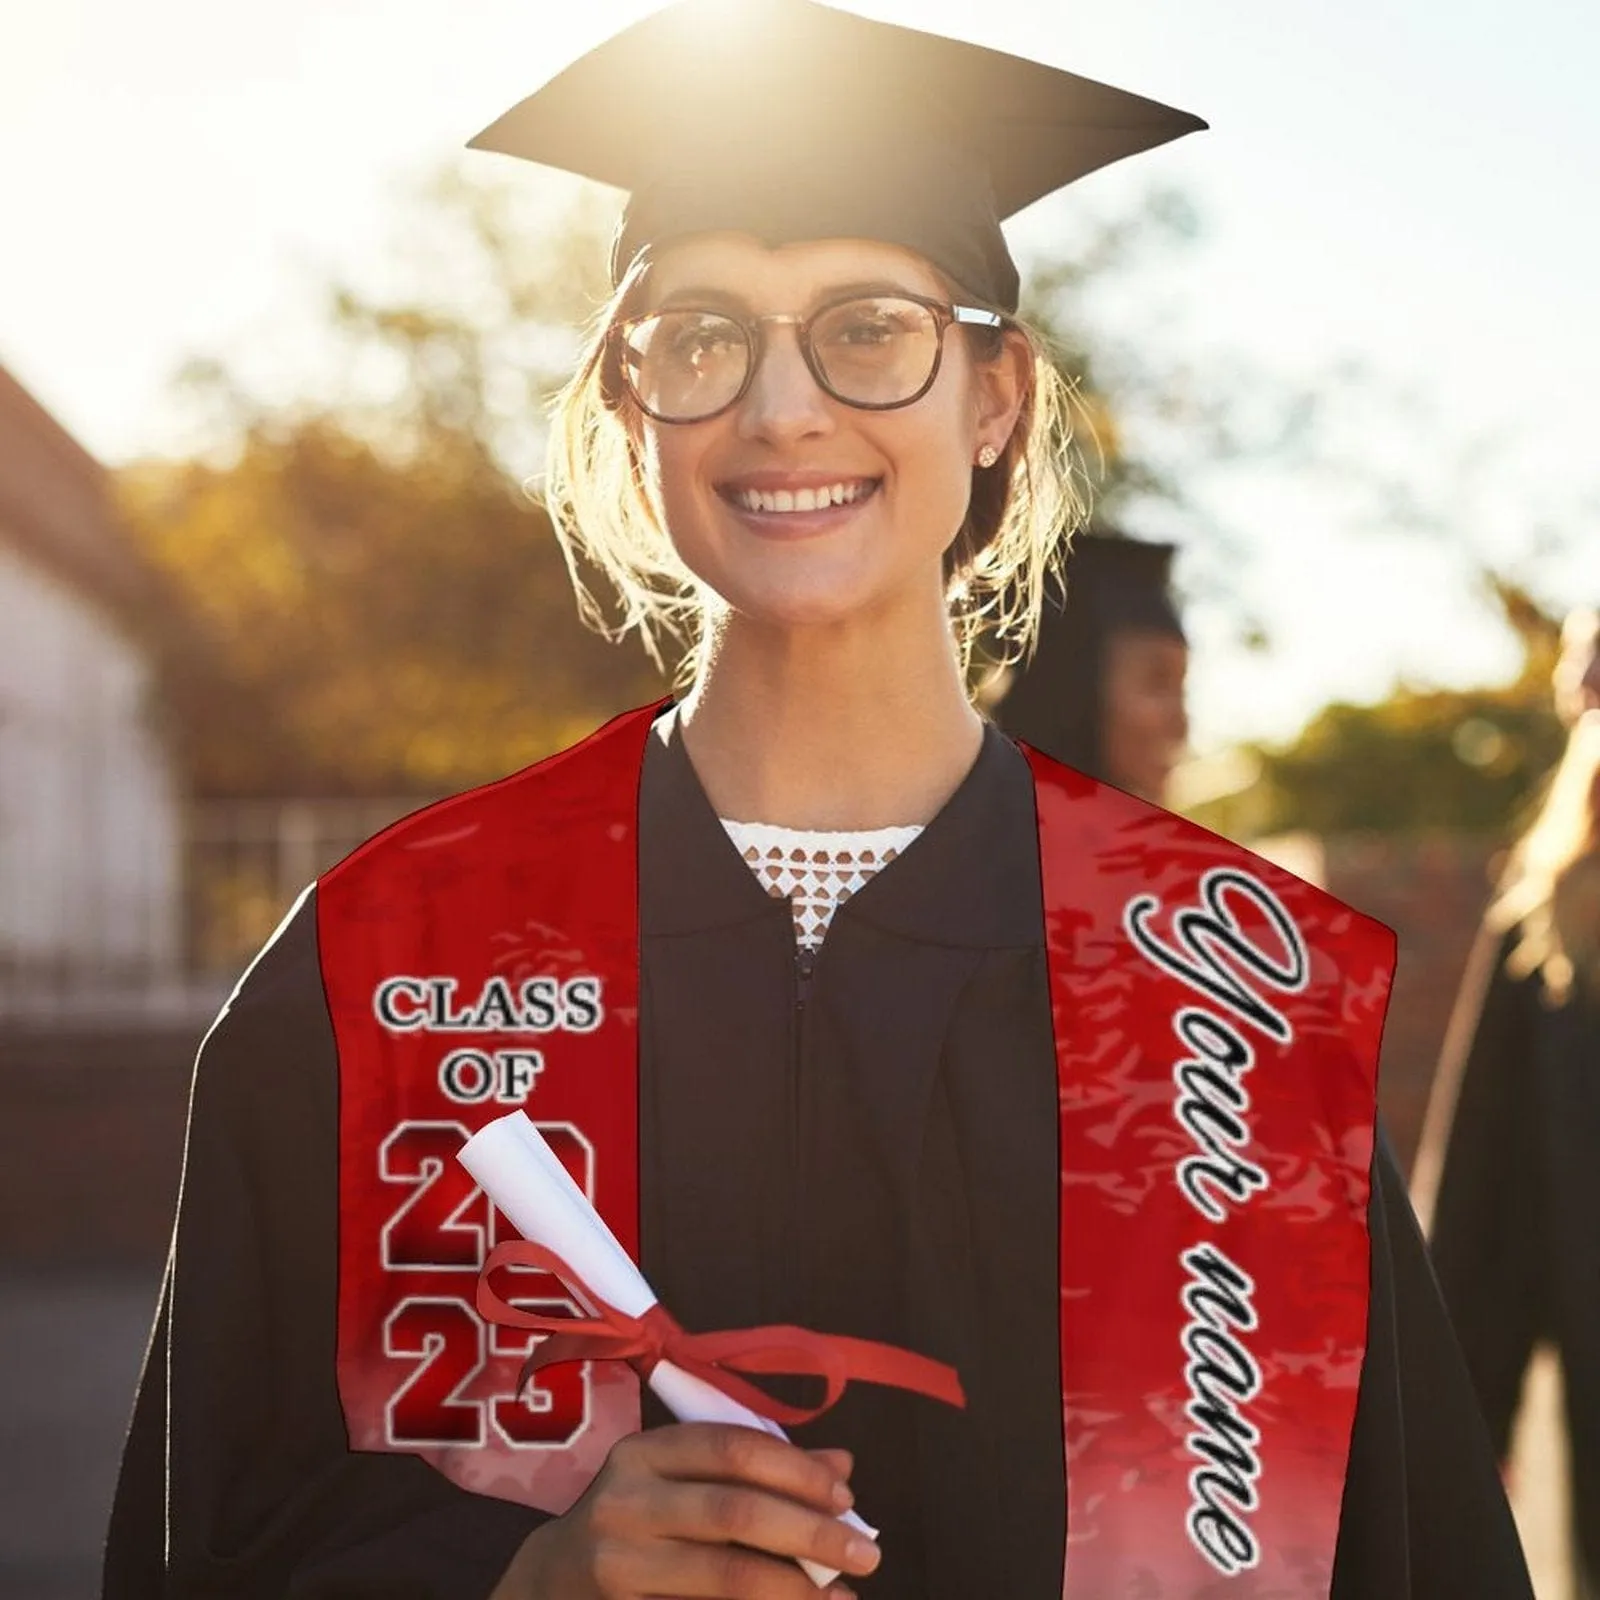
<point x="805" y="961"/>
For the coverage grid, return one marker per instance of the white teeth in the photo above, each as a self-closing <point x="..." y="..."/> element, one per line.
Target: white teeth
<point x="780" y="500"/>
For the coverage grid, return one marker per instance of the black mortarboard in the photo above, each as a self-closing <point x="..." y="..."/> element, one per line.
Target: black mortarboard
<point x="1055" y="702"/>
<point x="792" y="120"/>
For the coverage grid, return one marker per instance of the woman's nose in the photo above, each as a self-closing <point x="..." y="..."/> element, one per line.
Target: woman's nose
<point x="784" y="400"/>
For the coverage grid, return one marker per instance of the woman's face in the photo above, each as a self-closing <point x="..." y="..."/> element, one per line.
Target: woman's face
<point x="1145" y="723"/>
<point x="904" y="475"/>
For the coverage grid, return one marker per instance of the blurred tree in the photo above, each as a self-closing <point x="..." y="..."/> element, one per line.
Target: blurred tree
<point x="1160" y="418"/>
<point x="1110" y="378"/>
<point x="381" y="606"/>
<point x="1464" y="759"/>
<point x="367" y="625"/>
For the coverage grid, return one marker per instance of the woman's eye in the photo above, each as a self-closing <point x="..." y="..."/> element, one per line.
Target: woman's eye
<point x="695" y="344"/>
<point x="701" y="344"/>
<point x="866" y="331"/>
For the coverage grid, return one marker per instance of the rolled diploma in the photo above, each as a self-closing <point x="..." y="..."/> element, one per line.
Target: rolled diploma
<point x="525" y="1179"/>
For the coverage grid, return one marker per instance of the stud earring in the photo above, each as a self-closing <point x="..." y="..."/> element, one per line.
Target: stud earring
<point x="988" y="455"/>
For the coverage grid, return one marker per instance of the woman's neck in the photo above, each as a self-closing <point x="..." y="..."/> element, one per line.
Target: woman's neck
<point x="837" y="729"/>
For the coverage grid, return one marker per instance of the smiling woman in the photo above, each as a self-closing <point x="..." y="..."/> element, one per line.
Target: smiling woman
<point x="854" y="1019"/>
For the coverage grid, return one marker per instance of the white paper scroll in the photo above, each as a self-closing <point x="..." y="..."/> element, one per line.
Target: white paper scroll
<point x="525" y="1179"/>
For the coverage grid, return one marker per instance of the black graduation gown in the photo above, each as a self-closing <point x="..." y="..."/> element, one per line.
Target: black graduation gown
<point x="1516" y="1222"/>
<point x="868" y="1148"/>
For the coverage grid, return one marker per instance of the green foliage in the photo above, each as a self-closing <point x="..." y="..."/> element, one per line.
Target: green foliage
<point x="1460" y="759"/>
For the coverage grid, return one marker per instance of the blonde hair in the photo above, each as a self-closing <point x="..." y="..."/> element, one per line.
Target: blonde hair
<point x="1552" y="886"/>
<point x="1023" y="512"/>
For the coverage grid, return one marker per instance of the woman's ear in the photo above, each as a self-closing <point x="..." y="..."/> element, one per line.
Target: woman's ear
<point x="1000" y="387"/>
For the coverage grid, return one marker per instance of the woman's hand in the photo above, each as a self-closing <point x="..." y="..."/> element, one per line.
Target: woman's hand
<point x="697" y="1510"/>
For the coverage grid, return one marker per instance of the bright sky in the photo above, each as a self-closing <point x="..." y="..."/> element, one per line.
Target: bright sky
<point x="1405" y="184"/>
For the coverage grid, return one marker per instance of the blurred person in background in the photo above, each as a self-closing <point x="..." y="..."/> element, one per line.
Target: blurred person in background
<point x="1104" y="689"/>
<point x="1509" y="1164"/>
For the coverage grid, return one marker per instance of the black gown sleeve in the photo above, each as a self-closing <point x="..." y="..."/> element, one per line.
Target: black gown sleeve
<point x="1425" y="1514"/>
<point x="237" y="1478"/>
<point x="1488" y="1217"/>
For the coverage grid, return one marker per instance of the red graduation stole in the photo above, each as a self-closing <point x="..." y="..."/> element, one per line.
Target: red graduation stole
<point x="1216" y="1024"/>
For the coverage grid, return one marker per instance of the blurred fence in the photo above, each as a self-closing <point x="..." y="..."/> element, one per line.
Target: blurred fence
<point x="249" y="859"/>
<point x="243" y="864"/>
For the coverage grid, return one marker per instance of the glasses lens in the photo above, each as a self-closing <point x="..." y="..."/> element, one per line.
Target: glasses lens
<point x="876" y="352"/>
<point x="683" y="365"/>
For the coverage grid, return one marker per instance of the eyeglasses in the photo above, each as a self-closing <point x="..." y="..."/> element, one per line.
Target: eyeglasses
<point x="875" y="352"/>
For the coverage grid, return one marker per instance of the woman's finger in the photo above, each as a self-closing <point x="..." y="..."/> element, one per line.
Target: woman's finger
<point x="840" y="1462"/>
<point x="733" y="1514"/>
<point x="708" y="1452"/>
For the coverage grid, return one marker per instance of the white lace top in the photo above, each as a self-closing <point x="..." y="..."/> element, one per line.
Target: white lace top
<point x="816" y="871"/>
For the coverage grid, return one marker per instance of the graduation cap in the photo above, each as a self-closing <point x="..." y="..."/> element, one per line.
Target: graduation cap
<point x="1055" y="702"/>
<point x="791" y="120"/>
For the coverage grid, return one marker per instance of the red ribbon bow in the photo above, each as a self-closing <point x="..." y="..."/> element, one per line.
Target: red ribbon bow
<point x="717" y="1358"/>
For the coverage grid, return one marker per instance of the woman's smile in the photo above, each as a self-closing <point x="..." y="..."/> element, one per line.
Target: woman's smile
<point x="796" y="504"/>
